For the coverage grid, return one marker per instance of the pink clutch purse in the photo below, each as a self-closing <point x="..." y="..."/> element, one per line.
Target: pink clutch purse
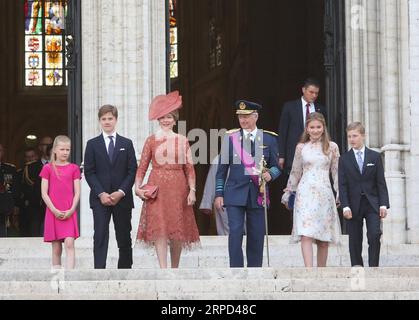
<point x="151" y="191"/>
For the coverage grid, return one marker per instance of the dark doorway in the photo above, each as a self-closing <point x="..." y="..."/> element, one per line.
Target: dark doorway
<point x="261" y="51"/>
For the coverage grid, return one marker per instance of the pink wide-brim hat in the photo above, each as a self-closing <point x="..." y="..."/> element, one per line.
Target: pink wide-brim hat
<point x="164" y="104"/>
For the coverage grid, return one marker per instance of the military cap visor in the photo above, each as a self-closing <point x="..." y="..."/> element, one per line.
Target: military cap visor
<point x="244" y="107"/>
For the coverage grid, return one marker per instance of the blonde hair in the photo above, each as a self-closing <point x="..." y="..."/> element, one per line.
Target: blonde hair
<point x="325" y="139"/>
<point x="356" y="126"/>
<point x="53" y="158"/>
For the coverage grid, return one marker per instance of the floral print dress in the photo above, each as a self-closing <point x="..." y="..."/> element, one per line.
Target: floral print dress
<point x="315" y="212"/>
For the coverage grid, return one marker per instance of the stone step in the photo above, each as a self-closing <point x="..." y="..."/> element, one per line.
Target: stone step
<point x="88" y="242"/>
<point x="32" y="247"/>
<point x="184" y="284"/>
<point x="141" y="262"/>
<point x="328" y="296"/>
<point x="44" y="250"/>
<point x="211" y="274"/>
<point x="213" y="284"/>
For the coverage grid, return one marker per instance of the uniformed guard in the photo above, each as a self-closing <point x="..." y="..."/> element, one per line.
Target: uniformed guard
<point x="30" y="200"/>
<point x="7" y="192"/>
<point x="242" y="152"/>
<point x="33" y="209"/>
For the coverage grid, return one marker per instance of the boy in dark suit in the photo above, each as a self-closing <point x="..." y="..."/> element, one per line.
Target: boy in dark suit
<point x="363" y="194"/>
<point x="110" y="166"/>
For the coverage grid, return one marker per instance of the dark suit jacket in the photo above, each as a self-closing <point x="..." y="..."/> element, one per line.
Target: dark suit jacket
<point x="291" y="127"/>
<point x="102" y="175"/>
<point x="371" y="183"/>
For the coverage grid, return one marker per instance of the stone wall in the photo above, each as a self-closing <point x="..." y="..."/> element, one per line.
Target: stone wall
<point x="412" y="162"/>
<point x="382" y="62"/>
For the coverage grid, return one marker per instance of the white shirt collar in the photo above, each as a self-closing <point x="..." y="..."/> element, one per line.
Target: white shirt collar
<point x="254" y="133"/>
<point x="105" y="135"/>
<point x="305" y="103"/>
<point x="362" y="150"/>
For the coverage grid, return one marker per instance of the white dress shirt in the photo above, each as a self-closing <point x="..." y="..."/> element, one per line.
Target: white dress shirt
<point x="312" y="109"/>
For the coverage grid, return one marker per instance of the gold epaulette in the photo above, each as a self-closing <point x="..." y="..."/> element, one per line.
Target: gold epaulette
<point x="233" y="131"/>
<point x="272" y="133"/>
<point x="30" y="162"/>
<point x="10" y="164"/>
<point x="26" y="175"/>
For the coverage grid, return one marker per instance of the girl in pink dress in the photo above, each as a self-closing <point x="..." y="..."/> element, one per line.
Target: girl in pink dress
<point x="61" y="193"/>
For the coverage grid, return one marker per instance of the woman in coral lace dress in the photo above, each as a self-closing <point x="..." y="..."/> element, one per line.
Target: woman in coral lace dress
<point x="315" y="214"/>
<point x="168" y="219"/>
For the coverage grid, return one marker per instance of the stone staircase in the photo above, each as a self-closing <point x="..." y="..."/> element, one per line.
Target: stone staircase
<point x="204" y="274"/>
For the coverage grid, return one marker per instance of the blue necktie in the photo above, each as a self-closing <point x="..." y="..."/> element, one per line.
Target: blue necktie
<point x="360" y="161"/>
<point x="111" y="148"/>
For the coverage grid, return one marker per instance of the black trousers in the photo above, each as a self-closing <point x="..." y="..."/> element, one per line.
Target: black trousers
<point x="374" y="232"/>
<point x="122" y="221"/>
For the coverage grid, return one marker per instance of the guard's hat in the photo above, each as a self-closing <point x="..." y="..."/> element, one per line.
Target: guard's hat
<point x="246" y="107"/>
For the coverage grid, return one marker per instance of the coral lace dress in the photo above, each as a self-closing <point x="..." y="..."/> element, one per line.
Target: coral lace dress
<point x="168" y="215"/>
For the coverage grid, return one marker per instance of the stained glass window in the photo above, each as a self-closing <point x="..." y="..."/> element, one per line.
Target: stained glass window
<point x="174" y="63"/>
<point x="45" y="43"/>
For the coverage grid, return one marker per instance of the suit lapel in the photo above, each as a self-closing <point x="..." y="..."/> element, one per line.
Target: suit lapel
<point x="299" y="106"/>
<point x="353" y="160"/>
<point x="318" y="109"/>
<point x="118" y="146"/>
<point x="102" y="147"/>
<point x="366" y="160"/>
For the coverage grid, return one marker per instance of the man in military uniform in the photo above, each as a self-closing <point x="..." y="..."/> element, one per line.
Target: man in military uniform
<point x="7" y="192"/>
<point x="32" y="205"/>
<point x="242" y="152"/>
<point x="25" y="221"/>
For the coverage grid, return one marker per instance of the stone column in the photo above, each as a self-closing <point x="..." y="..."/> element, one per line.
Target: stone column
<point x="378" y="95"/>
<point x="412" y="126"/>
<point x="124" y="63"/>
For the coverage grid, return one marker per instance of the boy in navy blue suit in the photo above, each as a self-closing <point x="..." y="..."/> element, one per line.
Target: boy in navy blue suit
<point x="363" y="194"/>
<point x="110" y="166"/>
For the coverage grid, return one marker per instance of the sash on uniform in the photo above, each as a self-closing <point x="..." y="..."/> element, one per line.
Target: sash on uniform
<point x="249" y="165"/>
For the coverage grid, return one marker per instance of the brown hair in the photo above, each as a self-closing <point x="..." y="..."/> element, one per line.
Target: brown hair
<point x="316" y="116"/>
<point x="106" y="109"/>
<point x="356" y="126"/>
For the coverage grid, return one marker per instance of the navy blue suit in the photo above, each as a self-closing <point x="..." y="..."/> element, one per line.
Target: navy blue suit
<point x="291" y="127"/>
<point x="364" y="194"/>
<point x="104" y="175"/>
<point x="241" y="196"/>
